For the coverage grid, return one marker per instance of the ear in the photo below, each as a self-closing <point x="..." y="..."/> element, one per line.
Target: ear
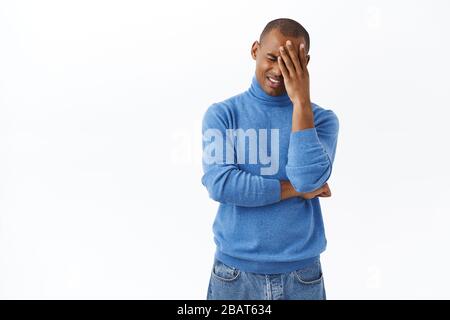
<point x="254" y="50"/>
<point x="307" y="59"/>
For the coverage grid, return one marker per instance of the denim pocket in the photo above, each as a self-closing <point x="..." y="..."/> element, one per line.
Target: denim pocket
<point x="310" y="275"/>
<point x="224" y="272"/>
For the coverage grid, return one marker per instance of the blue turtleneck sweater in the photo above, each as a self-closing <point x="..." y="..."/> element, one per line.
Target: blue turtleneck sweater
<point x="248" y="148"/>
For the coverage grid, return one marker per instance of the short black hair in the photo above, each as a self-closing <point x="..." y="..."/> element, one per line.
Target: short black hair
<point x="287" y="27"/>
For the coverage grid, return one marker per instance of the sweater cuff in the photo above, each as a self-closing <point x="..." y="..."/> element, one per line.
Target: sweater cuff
<point x="305" y="136"/>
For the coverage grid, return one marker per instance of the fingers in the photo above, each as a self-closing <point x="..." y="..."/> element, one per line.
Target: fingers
<point x="294" y="62"/>
<point x="287" y="61"/>
<point x="293" y="55"/>
<point x="324" y="195"/>
<point x="324" y="191"/>
<point x="322" y="188"/>
<point x="284" y="70"/>
<point x="302" y="56"/>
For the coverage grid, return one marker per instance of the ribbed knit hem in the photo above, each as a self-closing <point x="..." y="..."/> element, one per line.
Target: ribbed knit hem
<point x="264" y="267"/>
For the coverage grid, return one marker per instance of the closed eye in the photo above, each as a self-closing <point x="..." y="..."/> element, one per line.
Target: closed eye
<point x="271" y="57"/>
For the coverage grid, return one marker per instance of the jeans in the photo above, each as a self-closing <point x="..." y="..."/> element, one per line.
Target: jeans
<point x="229" y="283"/>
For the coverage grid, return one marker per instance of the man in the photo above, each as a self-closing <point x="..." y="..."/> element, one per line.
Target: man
<point x="268" y="229"/>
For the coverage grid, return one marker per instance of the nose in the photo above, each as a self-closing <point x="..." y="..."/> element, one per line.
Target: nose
<point x="276" y="71"/>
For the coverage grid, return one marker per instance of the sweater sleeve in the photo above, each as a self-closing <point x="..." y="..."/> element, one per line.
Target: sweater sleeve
<point x="223" y="179"/>
<point x="311" y="153"/>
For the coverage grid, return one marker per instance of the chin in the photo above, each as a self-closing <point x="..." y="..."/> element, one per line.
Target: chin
<point x="274" y="92"/>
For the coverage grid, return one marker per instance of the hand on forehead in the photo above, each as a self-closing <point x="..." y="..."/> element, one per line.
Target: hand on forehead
<point x="274" y="40"/>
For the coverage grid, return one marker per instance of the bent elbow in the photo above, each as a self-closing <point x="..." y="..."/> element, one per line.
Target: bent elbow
<point x="308" y="179"/>
<point x="214" y="188"/>
<point x="215" y="193"/>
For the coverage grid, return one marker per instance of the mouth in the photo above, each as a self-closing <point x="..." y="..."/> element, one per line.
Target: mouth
<point x="274" y="82"/>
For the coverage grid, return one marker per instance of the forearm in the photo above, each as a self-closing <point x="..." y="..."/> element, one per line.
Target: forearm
<point x="228" y="185"/>
<point x="288" y="191"/>
<point x="310" y="157"/>
<point x="302" y="115"/>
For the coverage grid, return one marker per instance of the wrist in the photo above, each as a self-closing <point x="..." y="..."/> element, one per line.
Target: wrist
<point x="302" y="104"/>
<point x="302" y="118"/>
<point x="287" y="190"/>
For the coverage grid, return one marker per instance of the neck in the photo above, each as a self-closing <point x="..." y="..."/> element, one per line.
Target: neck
<point x="257" y="92"/>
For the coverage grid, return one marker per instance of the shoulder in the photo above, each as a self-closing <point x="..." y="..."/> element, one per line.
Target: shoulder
<point x="222" y="112"/>
<point x="325" y="118"/>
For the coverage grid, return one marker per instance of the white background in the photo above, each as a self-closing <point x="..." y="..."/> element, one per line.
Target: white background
<point x="100" y="143"/>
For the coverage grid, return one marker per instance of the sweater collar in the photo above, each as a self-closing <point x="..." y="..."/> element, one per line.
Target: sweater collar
<point x="257" y="92"/>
